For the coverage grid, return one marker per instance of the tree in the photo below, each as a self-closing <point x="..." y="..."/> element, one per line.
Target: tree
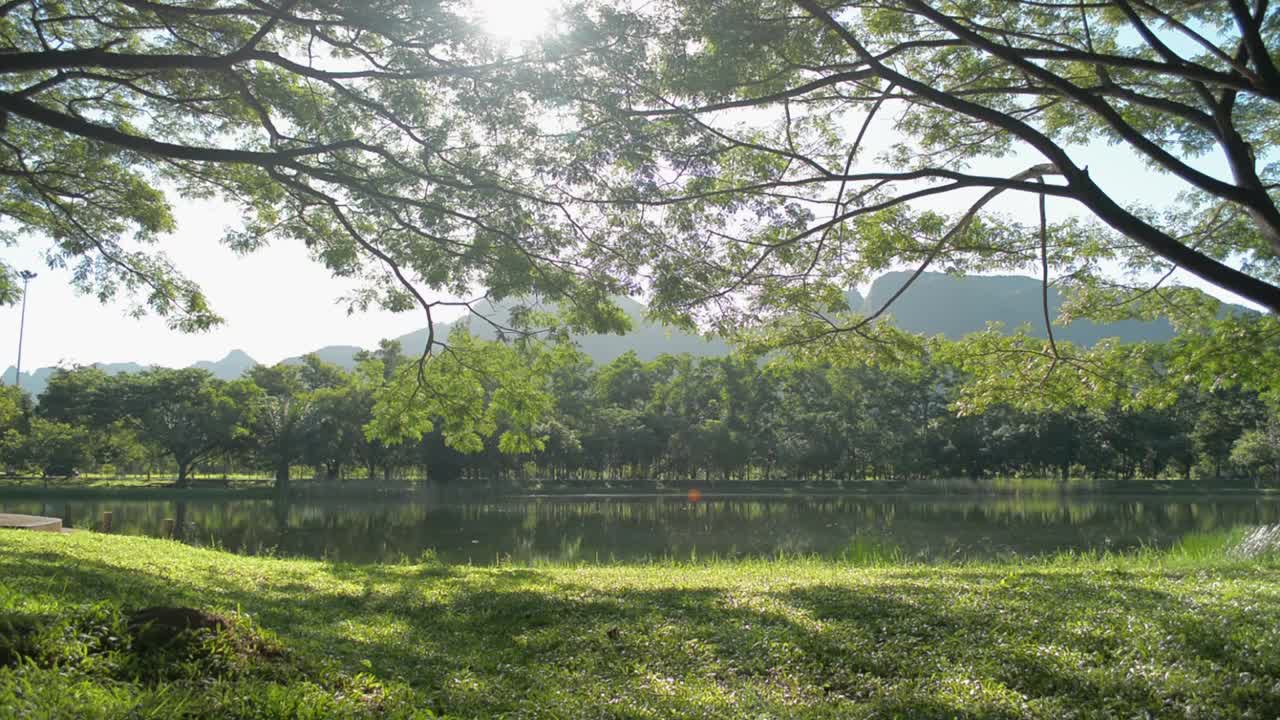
<point x="475" y="391"/>
<point x="336" y="432"/>
<point x="281" y="424"/>
<point x="774" y="154"/>
<point x="277" y="380"/>
<point x="727" y="156"/>
<point x="189" y="414"/>
<point x="83" y="395"/>
<point x="316" y="374"/>
<point x="1258" y="451"/>
<point x="384" y="362"/>
<point x="624" y="382"/>
<point x="55" y="449"/>
<point x="96" y="403"/>
<point x="339" y="409"/>
<point x="339" y="405"/>
<point x="1223" y="416"/>
<point x="621" y="439"/>
<point x="283" y="415"/>
<point x="379" y="134"/>
<point x="571" y="383"/>
<point x="14" y="405"/>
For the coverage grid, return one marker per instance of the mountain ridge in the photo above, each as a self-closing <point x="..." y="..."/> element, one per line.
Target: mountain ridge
<point x="1014" y="300"/>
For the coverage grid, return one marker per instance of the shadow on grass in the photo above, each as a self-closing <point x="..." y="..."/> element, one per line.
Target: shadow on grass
<point x="969" y="645"/>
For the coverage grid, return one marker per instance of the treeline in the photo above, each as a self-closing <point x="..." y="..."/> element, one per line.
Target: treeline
<point x="675" y="418"/>
<point x="732" y="418"/>
<point x="273" y="420"/>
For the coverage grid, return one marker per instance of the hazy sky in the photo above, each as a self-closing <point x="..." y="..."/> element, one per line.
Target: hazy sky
<point x="278" y="303"/>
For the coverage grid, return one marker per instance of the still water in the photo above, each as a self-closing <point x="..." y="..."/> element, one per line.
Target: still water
<point x="601" y="529"/>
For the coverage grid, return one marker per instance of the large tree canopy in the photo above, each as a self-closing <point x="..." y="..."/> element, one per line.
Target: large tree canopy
<point x="386" y="136"/>
<point x="744" y="162"/>
<point x="761" y="157"/>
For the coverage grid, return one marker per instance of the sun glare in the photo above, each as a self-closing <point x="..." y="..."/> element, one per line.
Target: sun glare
<point x="515" y="21"/>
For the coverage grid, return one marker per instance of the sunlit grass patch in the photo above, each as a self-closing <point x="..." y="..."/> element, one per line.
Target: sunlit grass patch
<point x="1193" y="632"/>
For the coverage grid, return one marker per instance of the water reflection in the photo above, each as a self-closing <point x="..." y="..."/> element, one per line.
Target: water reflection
<point x="605" y="529"/>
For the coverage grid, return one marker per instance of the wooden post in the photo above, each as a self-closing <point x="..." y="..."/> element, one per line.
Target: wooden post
<point x="166" y="528"/>
<point x="106" y="522"/>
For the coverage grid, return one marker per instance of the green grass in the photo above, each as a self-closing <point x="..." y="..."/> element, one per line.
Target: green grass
<point x="103" y="480"/>
<point x="132" y="487"/>
<point x="303" y="479"/>
<point x="1191" y="633"/>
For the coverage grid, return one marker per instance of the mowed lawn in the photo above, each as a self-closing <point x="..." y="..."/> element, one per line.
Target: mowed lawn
<point x="1159" y="636"/>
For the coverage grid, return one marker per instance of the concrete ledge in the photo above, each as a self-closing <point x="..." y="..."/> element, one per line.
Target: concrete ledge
<point x="30" y="522"/>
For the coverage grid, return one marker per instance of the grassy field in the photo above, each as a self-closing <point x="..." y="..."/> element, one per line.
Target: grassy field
<point x="1189" y="634"/>
<point x="126" y="481"/>
<point x="95" y="486"/>
<point x="303" y="486"/>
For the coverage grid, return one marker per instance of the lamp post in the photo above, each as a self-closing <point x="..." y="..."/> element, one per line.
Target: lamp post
<point x="26" y="276"/>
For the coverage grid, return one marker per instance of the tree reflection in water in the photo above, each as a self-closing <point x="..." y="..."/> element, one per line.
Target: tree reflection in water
<point x="635" y="528"/>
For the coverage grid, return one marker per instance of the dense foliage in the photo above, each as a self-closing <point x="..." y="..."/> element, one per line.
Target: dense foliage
<point x="278" y="417"/>
<point x="380" y="135"/>
<point x="556" y="418"/>
<point x="762" y="157"/>
<point x="743" y="162"/>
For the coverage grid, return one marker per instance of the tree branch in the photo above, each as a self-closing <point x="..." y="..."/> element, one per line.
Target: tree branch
<point x="1090" y="194"/>
<point x="83" y="128"/>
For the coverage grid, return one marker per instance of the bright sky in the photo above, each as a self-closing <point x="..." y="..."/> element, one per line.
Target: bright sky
<point x="516" y="21"/>
<point x="279" y="303"/>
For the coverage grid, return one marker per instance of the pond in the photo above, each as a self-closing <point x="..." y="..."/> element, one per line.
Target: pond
<point x="613" y="528"/>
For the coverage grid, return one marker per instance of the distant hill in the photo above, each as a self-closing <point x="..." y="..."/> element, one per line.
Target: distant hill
<point x="36" y="381"/>
<point x="954" y="306"/>
<point x="33" y="382"/>
<point x="647" y="339"/>
<point x="344" y="356"/>
<point x="229" y="368"/>
<point x="235" y="364"/>
<point x="936" y="303"/>
<point x="854" y="298"/>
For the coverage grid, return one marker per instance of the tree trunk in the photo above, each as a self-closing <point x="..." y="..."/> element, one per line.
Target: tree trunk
<point x="183" y="469"/>
<point x="282" y="477"/>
